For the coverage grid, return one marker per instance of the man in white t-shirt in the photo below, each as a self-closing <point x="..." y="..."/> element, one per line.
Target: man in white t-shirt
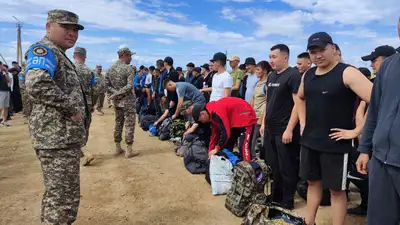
<point x="222" y="80"/>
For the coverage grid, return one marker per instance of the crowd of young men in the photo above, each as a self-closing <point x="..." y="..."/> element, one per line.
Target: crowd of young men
<point x="309" y="117"/>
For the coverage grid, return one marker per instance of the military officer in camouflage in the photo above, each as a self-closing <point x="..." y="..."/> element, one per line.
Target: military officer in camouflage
<point x="119" y="85"/>
<point x="99" y="91"/>
<point x="87" y="80"/>
<point x="57" y="122"/>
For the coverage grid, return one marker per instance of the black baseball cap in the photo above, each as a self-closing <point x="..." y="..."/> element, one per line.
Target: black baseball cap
<point x="320" y="39"/>
<point x="197" y="69"/>
<point x="141" y="67"/>
<point x="169" y="60"/>
<point x="337" y="47"/>
<point x="206" y="66"/>
<point x="250" y="61"/>
<point x="151" y="68"/>
<point x="190" y="64"/>
<point x="242" y="67"/>
<point x="196" y="109"/>
<point x="384" y="50"/>
<point x="219" y="56"/>
<point x="178" y="69"/>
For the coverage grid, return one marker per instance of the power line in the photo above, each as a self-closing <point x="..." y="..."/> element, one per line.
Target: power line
<point x="19" y="44"/>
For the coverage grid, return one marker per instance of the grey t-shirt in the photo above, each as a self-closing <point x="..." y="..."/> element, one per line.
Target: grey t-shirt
<point x="189" y="92"/>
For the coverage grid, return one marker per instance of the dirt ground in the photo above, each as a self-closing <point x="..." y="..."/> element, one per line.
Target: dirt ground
<point x="153" y="188"/>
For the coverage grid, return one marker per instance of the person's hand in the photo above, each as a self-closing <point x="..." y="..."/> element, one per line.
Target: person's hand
<point x="202" y="90"/>
<point x="340" y="134"/>
<point x="173" y="117"/>
<point x="211" y="153"/>
<point x="302" y="129"/>
<point x="186" y="133"/>
<point x="262" y="130"/>
<point x="362" y="163"/>
<point x="153" y="96"/>
<point x="287" y="136"/>
<point x="77" y="117"/>
<point x="155" y="123"/>
<point x="187" y="125"/>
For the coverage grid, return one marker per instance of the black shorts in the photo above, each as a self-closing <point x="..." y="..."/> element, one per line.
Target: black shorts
<point x="329" y="168"/>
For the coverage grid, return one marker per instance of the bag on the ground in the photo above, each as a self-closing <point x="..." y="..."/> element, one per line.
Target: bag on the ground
<point x="272" y="215"/>
<point x="302" y="188"/>
<point x="177" y="128"/>
<point x="153" y="130"/>
<point x="234" y="159"/>
<point x="146" y="121"/>
<point x="163" y="130"/>
<point x="181" y="148"/>
<point x="196" y="157"/>
<point x="251" y="184"/>
<point x="221" y="175"/>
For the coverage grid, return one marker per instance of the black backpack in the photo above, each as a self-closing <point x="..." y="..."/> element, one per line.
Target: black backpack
<point x="163" y="130"/>
<point x="196" y="157"/>
<point x="146" y="121"/>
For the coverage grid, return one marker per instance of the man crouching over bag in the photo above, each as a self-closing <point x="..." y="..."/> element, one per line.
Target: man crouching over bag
<point x="230" y="119"/>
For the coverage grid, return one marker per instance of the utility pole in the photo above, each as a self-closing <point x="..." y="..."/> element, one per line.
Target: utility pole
<point x="19" y="45"/>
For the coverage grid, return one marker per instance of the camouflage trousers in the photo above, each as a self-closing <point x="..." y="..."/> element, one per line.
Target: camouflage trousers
<point x="98" y="100"/>
<point x="26" y="104"/>
<point x="127" y="116"/>
<point x="61" y="177"/>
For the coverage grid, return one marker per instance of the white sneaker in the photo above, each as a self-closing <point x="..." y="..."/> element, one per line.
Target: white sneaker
<point x="4" y="124"/>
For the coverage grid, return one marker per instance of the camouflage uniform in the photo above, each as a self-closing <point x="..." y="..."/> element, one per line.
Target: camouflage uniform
<point x="86" y="78"/>
<point x="26" y="103"/>
<point x="119" y="84"/>
<point x="54" y="88"/>
<point x="99" y="92"/>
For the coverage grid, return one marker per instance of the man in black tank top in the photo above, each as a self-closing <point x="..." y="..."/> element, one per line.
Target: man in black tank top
<point x="326" y="101"/>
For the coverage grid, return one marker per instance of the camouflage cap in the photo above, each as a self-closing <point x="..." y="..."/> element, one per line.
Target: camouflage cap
<point x="185" y="105"/>
<point x="81" y="51"/>
<point x="64" y="17"/>
<point x="125" y="51"/>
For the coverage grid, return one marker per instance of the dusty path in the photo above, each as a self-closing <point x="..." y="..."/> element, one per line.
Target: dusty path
<point x="153" y="188"/>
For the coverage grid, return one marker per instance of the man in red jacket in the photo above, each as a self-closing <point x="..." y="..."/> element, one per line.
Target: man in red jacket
<point x="230" y="118"/>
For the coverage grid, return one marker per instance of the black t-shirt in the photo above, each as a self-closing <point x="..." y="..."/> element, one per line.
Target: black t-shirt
<point x="329" y="104"/>
<point x="3" y="82"/>
<point x="280" y="90"/>
<point x="198" y="82"/>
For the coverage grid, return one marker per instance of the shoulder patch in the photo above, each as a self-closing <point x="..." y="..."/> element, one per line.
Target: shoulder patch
<point x="41" y="57"/>
<point x="39" y="51"/>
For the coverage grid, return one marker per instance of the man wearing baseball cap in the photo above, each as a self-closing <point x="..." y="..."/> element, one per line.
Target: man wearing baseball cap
<point x="380" y="137"/>
<point x="88" y="80"/>
<point x="325" y="106"/>
<point x="378" y="55"/>
<point x="237" y="75"/>
<point x="251" y="79"/>
<point x="230" y="118"/>
<point x="222" y="80"/>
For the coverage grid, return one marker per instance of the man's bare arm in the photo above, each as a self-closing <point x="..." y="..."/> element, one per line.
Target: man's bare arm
<point x="358" y="83"/>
